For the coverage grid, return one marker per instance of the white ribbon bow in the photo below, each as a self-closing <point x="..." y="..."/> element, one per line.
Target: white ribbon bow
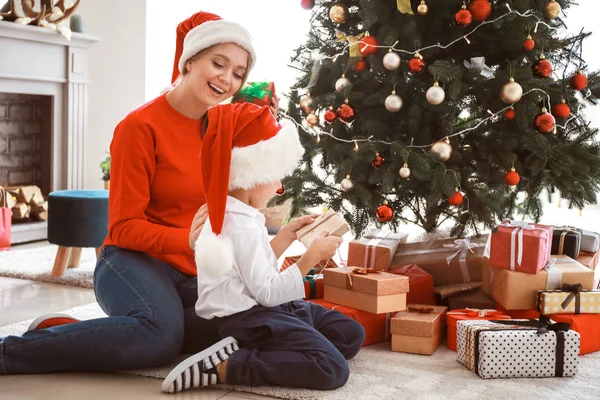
<point x="519" y="226"/>
<point x="463" y="246"/>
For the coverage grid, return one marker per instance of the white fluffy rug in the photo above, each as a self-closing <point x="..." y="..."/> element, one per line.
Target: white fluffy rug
<point x="36" y="265"/>
<point x="378" y="373"/>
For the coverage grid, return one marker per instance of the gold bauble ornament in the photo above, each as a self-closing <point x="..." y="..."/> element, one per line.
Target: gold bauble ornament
<point x="422" y="8"/>
<point x="443" y="149"/>
<point x="338" y="13"/>
<point x="552" y="9"/>
<point x="511" y="92"/>
<point x="312" y="119"/>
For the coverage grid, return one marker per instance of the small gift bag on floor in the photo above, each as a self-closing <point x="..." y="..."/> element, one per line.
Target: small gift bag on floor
<point x="5" y="221"/>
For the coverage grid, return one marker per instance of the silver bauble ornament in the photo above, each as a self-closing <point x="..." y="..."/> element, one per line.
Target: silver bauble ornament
<point x="391" y="61"/>
<point x="404" y="171"/>
<point x="435" y="95"/>
<point x="393" y="103"/>
<point x="511" y="92"/>
<point x="443" y="149"/>
<point x="347" y="184"/>
<point x="343" y="84"/>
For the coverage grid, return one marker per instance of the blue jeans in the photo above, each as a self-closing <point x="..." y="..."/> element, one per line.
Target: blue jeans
<point x="151" y="321"/>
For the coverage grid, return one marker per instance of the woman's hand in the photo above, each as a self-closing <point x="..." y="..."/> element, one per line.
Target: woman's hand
<point x="197" y="224"/>
<point x="274" y="105"/>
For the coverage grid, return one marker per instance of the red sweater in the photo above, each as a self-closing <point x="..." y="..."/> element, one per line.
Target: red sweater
<point x="155" y="183"/>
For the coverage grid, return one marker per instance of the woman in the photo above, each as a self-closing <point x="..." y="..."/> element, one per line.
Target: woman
<point x="145" y="276"/>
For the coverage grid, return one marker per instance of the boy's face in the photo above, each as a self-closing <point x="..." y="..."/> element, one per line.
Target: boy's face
<point x="261" y="194"/>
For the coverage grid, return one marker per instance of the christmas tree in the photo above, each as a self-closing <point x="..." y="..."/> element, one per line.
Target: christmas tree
<point x="442" y="111"/>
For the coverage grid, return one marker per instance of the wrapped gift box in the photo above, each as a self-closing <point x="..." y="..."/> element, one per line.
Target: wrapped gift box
<point x="445" y="291"/>
<point x="447" y="260"/>
<point x="571" y="299"/>
<point x="567" y="241"/>
<point x="519" y="314"/>
<point x="588" y="327"/>
<point x="375" y="250"/>
<point x="590" y="241"/>
<point x="259" y="93"/>
<point x="373" y="291"/>
<point x="313" y="281"/>
<point x="473" y="299"/>
<point x="468" y="314"/>
<point x="376" y="325"/>
<point x="420" y="284"/>
<point x="521" y="246"/>
<point x="330" y="222"/>
<point x="518" y="291"/>
<point x="590" y="260"/>
<point x="519" y="349"/>
<point x="418" y="330"/>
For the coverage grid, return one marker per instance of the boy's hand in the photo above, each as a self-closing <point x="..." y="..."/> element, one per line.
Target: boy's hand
<point x="324" y="246"/>
<point x="296" y="224"/>
<point x="197" y="224"/>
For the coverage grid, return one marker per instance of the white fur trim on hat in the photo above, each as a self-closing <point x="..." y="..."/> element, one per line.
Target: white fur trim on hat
<point x="211" y="33"/>
<point x="213" y="254"/>
<point x="266" y="161"/>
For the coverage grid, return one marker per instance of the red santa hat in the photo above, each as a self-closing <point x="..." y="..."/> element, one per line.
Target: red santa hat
<point x="243" y="147"/>
<point x="203" y="30"/>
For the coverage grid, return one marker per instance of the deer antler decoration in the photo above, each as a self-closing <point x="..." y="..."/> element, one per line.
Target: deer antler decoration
<point x="49" y="13"/>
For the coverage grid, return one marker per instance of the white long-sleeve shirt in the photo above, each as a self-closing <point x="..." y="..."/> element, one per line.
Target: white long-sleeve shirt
<point x="255" y="278"/>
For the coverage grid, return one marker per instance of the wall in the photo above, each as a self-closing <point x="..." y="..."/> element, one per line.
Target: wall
<point x="117" y="72"/>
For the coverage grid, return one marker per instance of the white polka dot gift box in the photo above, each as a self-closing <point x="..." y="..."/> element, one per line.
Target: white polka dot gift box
<point x="518" y="348"/>
<point x="571" y="299"/>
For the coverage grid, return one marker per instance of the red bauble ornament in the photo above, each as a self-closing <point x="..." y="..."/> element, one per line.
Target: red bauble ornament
<point x="385" y="213"/>
<point x="361" y="66"/>
<point x="510" y="114"/>
<point x="579" y="81"/>
<point x="544" y="122"/>
<point x="512" y="177"/>
<point x="529" y="44"/>
<point x="480" y="9"/>
<point x="280" y="191"/>
<point x="366" y="45"/>
<point x="378" y="162"/>
<point x="456" y="199"/>
<point x="561" y="110"/>
<point x="346" y="113"/>
<point x="416" y="64"/>
<point x="542" y="68"/>
<point x="464" y="17"/>
<point x="330" y="115"/>
<point x="307" y="4"/>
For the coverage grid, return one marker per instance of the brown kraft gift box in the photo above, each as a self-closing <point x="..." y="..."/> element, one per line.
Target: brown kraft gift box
<point x="374" y="250"/>
<point x="518" y="291"/>
<point x="376" y="292"/>
<point x="590" y="260"/>
<point x="432" y="256"/>
<point x="330" y="222"/>
<point x="418" y="330"/>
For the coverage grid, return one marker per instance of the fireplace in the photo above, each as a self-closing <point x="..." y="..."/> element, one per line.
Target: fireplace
<point x="43" y="112"/>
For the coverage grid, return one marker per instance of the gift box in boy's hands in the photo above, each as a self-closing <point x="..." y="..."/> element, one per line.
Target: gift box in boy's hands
<point x="418" y="330"/>
<point x="259" y="93"/>
<point x="330" y="222"/>
<point x="313" y="281"/>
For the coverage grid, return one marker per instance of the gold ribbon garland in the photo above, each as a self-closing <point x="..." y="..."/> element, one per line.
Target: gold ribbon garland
<point x="352" y="40"/>
<point x="404" y="7"/>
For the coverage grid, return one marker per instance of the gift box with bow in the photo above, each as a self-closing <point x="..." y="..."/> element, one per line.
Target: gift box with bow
<point x="313" y="281"/>
<point x="588" y="327"/>
<point x="418" y="330"/>
<point x="472" y="299"/>
<point x="518" y="348"/>
<point x="375" y="250"/>
<point x="468" y="314"/>
<point x="420" y="284"/>
<point x="259" y="93"/>
<point x="521" y="246"/>
<point x="368" y="290"/>
<point x="330" y="222"/>
<point x="447" y="260"/>
<point x="567" y="241"/>
<point x="518" y="291"/>
<point x="570" y="299"/>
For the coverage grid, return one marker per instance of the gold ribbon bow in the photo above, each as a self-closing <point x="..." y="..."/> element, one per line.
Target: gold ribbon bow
<point x="352" y="40"/>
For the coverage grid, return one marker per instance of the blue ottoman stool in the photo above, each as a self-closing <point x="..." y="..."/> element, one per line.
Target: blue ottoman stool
<point x="76" y="219"/>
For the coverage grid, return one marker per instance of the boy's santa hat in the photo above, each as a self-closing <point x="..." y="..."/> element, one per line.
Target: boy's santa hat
<point x="243" y="147"/>
<point x="203" y="30"/>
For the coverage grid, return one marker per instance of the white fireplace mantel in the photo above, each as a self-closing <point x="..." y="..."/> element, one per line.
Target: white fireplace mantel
<point x="35" y="60"/>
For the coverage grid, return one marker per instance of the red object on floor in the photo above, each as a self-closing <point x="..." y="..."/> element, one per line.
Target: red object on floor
<point x="50" y="321"/>
<point x="420" y="284"/>
<point x="588" y="326"/>
<point x="519" y="314"/>
<point x="374" y="324"/>
<point x="452" y="318"/>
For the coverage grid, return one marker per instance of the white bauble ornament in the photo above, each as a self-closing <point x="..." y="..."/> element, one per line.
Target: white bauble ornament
<point x="443" y="149"/>
<point x="435" y="95"/>
<point x="343" y="84"/>
<point x="391" y="61"/>
<point x="347" y="184"/>
<point x="404" y="171"/>
<point x="511" y="92"/>
<point x="393" y="103"/>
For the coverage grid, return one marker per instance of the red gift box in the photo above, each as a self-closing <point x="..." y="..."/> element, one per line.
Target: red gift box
<point x="313" y="282"/>
<point x="588" y="326"/>
<point x="519" y="314"/>
<point x="420" y="284"/>
<point x="376" y="325"/>
<point x="452" y="317"/>
<point x="521" y="246"/>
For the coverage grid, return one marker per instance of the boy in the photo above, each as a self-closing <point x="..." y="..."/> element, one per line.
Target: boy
<point x="271" y="336"/>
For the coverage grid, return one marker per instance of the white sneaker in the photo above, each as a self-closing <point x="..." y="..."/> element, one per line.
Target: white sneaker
<point x="199" y="370"/>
